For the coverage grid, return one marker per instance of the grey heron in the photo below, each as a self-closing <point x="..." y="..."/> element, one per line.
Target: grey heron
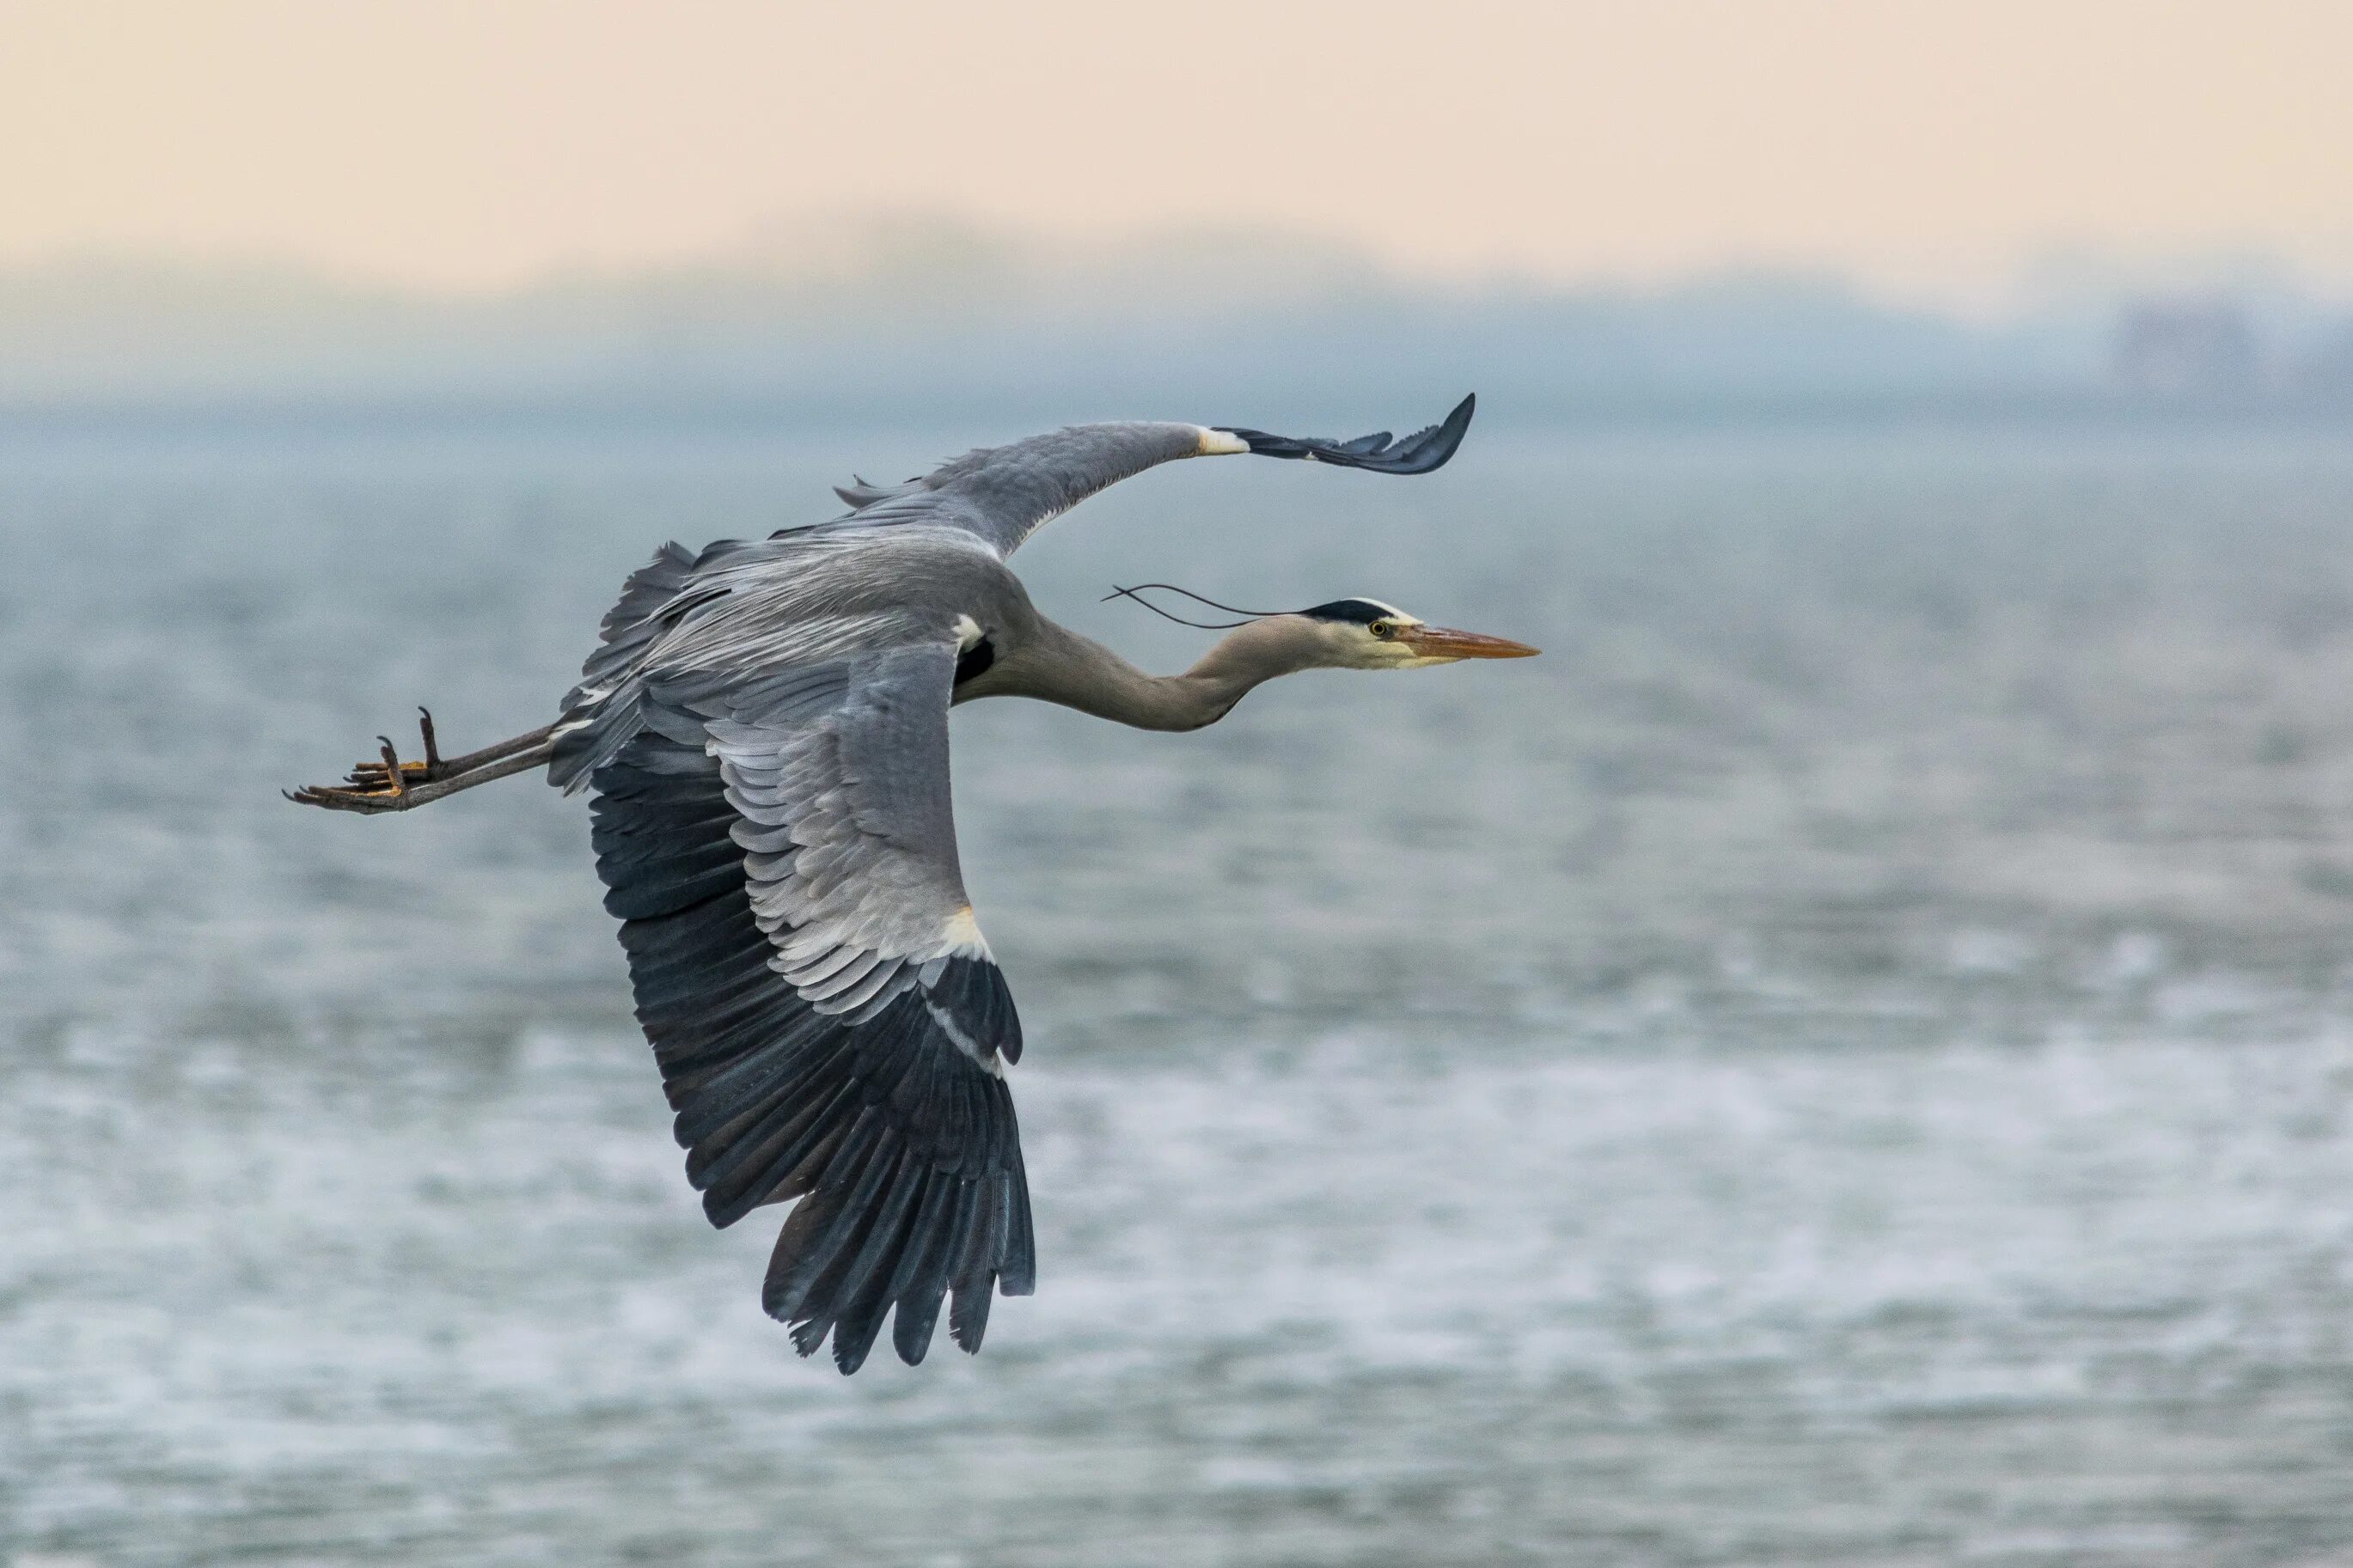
<point x="763" y="727"/>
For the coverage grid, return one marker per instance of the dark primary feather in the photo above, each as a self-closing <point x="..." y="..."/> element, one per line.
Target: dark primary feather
<point x="1419" y="453"/>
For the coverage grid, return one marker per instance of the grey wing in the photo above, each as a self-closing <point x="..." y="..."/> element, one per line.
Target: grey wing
<point x="1006" y="493"/>
<point x="828" y="1023"/>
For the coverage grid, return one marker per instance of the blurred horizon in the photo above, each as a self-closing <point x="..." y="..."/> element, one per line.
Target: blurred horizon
<point x="901" y="318"/>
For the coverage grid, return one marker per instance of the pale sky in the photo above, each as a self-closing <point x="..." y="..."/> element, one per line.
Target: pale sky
<point x="1928" y="147"/>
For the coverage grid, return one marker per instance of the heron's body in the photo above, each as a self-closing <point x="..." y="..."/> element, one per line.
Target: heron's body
<point x="764" y="729"/>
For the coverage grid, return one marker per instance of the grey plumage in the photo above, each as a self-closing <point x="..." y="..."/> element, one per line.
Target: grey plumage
<point x="1003" y="494"/>
<point x="764" y="728"/>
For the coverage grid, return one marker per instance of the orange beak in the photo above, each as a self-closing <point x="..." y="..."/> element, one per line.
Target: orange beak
<point x="1445" y="642"/>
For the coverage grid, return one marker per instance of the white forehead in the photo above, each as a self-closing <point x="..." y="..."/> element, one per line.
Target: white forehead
<point x="1388" y="609"/>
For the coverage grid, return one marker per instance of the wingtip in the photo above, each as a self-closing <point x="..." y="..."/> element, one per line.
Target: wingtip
<point x="1425" y="451"/>
<point x="1448" y="436"/>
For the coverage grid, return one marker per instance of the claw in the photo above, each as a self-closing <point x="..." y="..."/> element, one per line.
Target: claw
<point x="395" y="785"/>
<point x="372" y="786"/>
<point x="375" y="776"/>
<point x="366" y="801"/>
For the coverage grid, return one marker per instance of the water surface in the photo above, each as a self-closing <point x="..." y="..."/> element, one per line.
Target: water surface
<point x="1844" y="1061"/>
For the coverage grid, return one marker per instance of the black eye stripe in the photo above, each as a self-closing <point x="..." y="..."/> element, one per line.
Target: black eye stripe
<point x="1362" y="612"/>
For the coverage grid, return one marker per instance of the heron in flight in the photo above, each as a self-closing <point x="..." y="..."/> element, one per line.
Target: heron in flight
<point x="763" y="730"/>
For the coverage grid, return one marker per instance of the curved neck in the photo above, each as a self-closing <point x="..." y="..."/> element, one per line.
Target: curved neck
<point x="1060" y="666"/>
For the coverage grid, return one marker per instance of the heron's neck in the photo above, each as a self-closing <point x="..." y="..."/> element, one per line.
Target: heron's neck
<point x="1079" y="672"/>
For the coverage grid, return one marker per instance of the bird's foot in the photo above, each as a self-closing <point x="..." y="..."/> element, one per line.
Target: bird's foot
<point x="379" y="775"/>
<point x="387" y="784"/>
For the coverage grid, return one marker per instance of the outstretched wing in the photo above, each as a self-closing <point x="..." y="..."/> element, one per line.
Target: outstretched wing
<point x="1006" y="493"/>
<point x="830" y="1025"/>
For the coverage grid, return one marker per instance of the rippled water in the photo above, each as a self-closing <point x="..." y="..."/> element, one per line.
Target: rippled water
<point x="1847" y="1059"/>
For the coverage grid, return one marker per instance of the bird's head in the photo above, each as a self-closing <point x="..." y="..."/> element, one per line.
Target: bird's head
<point x="1368" y="633"/>
<point x="1346" y="634"/>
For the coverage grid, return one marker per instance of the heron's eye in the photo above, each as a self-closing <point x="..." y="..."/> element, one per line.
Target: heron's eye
<point x="1383" y="629"/>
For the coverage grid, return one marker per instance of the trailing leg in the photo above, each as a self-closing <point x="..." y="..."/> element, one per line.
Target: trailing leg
<point x="391" y="785"/>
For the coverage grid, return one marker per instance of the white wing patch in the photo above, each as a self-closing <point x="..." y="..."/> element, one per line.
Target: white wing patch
<point x="962" y="935"/>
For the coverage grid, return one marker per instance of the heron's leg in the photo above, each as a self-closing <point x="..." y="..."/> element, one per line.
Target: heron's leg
<point x="392" y="784"/>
